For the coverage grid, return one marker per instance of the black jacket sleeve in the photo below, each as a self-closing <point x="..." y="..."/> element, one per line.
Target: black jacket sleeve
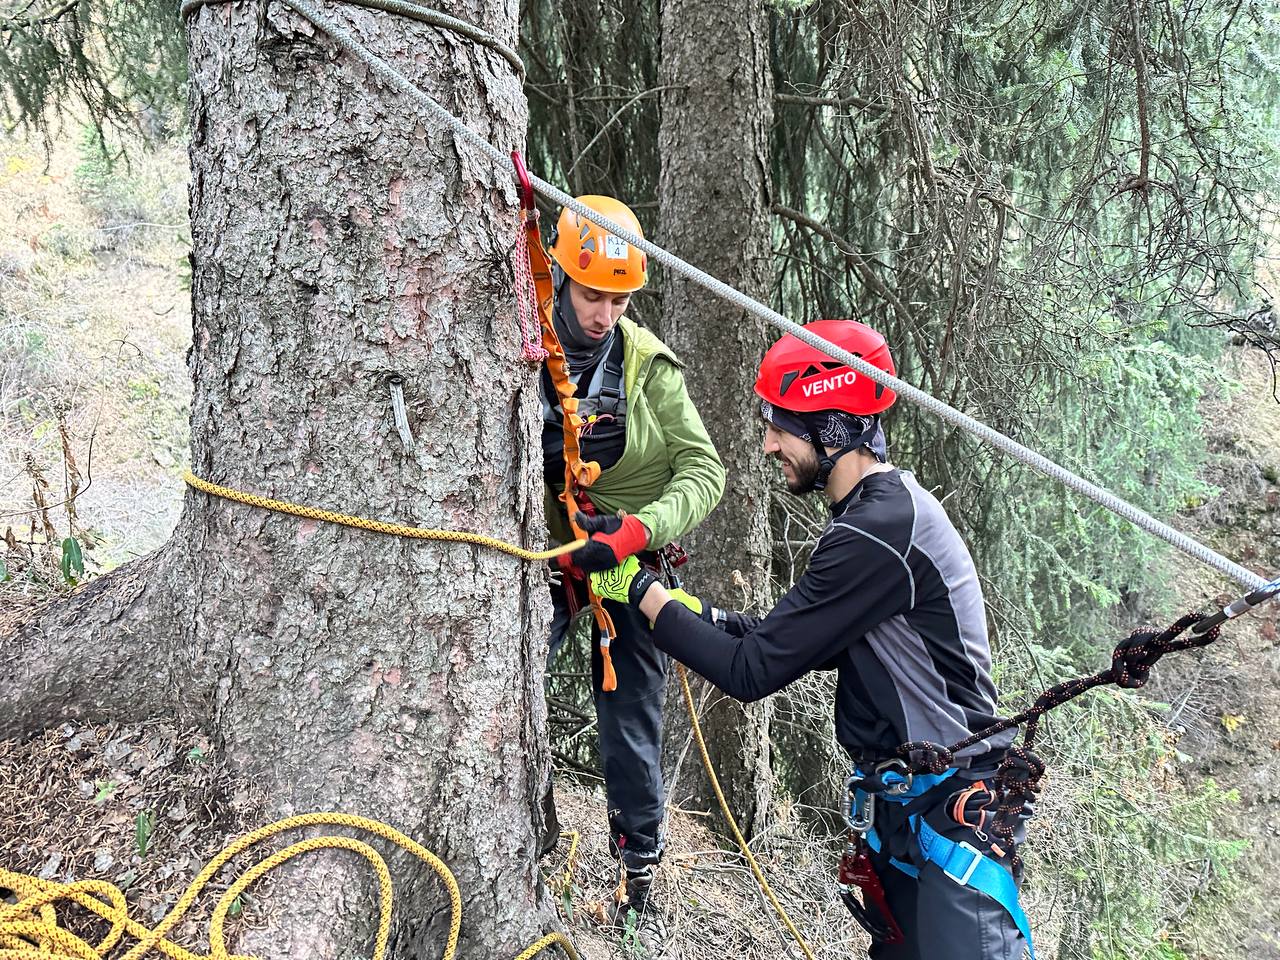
<point x="853" y="583"/>
<point x="738" y="624"/>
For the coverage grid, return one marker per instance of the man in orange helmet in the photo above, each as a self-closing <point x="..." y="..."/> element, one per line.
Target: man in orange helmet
<point x="891" y="601"/>
<point x="660" y="476"/>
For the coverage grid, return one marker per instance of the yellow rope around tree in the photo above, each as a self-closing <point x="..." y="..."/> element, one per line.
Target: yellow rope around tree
<point x="733" y="824"/>
<point x="379" y="526"/>
<point x="29" y="929"/>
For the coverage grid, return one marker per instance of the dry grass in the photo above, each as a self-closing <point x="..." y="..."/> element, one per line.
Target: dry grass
<point x="94" y="320"/>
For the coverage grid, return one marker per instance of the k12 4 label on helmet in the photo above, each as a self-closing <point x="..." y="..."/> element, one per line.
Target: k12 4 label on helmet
<point x="615" y="248"/>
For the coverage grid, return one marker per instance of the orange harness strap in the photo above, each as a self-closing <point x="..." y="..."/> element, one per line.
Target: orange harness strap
<point x="577" y="472"/>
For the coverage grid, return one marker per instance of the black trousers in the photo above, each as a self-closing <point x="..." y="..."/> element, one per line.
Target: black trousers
<point x="940" y="919"/>
<point x="629" y="722"/>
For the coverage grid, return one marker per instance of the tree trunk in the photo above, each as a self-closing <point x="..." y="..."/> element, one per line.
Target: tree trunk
<point x="714" y="211"/>
<point x="340" y="239"/>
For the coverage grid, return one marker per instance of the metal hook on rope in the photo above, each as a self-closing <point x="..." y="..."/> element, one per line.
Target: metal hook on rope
<point x="526" y="185"/>
<point x="1234" y="609"/>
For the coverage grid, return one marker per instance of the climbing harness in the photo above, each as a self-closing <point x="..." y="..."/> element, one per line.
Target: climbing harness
<point x="29" y="929"/>
<point x="857" y="876"/>
<point x="378" y="526"/>
<point x="578" y="473"/>
<point x="893" y="781"/>
<point x="604" y="403"/>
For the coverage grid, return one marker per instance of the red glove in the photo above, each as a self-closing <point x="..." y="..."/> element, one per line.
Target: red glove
<point x="612" y="540"/>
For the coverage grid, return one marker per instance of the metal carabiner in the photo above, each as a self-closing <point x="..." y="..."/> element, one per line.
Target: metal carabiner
<point x="895" y="765"/>
<point x="859" y="815"/>
<point x="1244" y="604"/>
<point x="525" y="184"/>
<point x="669" y="572"/>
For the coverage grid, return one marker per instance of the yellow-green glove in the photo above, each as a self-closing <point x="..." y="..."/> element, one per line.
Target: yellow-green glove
<point x="692" y="602"/>
<point x="625" y="583"/>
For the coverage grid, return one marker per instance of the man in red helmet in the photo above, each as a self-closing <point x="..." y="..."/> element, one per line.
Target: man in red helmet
<point x="892" y="602"/>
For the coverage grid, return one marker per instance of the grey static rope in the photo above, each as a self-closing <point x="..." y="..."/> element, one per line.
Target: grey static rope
<point x="1023" y="454"/>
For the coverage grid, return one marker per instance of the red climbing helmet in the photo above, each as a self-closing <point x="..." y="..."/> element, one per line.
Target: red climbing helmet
<point x="795" y="376"/>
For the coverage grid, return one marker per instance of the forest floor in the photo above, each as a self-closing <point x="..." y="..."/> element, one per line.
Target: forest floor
<point x="94" y="327"/>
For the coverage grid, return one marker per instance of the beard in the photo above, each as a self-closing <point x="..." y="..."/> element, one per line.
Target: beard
<point x="804" y="474"/>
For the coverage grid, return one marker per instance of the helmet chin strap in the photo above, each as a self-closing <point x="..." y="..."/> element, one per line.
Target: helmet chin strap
<point x="827" y="461"/>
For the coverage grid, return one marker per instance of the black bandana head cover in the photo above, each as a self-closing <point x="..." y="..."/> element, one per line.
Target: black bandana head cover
<point x="836" y="428"/>
<point x="581" y="351"/>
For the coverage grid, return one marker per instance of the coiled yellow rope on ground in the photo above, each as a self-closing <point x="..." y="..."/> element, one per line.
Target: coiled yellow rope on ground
<point x="733" y="824"/>
<point x="29" y="929"/>
<point x="378" y="526"/>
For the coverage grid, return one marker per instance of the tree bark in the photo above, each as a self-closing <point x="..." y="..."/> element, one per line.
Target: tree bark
<point x="99" y="655"/>
<point x="340" y="238"/>
<point x="714" y="198"/>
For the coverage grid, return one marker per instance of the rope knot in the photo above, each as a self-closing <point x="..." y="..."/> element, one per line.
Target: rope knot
<point x="1133" y="657"/>
<point x="1021" y="770"/>
<point x="925" y="757"/>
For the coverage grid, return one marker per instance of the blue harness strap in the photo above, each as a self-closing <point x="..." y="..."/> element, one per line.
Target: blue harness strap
<point x="970" y="867"/>
<point x="960" y="861"/>
<point x="873" y="841"/>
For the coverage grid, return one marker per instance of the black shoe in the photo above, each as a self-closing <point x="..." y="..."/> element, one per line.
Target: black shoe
<point x="639" y="884"/>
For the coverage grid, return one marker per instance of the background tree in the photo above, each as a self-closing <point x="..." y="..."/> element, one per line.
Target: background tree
<point x="340" y="239"/>
<point x="713" y="210"/>
<point x="125" y="63"/>
<point x="600" y="77"/>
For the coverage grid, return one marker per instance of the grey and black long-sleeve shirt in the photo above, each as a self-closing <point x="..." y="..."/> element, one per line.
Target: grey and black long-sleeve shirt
<point x="891" y="601"/>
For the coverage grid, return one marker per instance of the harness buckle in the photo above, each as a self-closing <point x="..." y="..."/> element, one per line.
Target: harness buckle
<point x="964" y="878"/>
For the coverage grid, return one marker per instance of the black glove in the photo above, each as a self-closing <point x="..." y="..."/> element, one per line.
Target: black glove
<point x="612" y="540"/>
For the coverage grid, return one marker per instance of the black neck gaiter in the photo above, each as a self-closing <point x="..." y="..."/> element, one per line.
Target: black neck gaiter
<point x="580" y="350"/>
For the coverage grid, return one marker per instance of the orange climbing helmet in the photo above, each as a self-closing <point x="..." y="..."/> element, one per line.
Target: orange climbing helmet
<point x="593" y="256"/>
